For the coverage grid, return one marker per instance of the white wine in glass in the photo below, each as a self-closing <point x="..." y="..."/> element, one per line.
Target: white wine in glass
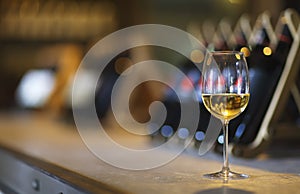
<point x="225" y="94"/>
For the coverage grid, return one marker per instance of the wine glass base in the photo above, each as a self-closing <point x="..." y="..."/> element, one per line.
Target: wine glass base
<point x="226" y="175"/>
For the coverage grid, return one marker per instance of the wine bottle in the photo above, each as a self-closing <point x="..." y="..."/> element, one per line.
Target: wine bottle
<point x="266" y="64"/>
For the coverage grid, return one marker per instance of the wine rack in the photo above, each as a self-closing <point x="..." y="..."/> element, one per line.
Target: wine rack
<point x="273" y="55"/>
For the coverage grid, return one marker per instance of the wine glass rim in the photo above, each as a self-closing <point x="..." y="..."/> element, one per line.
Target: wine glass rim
<point x="226" y="52"/>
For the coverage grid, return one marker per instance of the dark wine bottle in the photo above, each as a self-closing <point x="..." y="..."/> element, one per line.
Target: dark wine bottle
<point x="266" y="64"/>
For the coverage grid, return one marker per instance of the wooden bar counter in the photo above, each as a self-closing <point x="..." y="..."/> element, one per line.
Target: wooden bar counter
<point x="41" y="155"/>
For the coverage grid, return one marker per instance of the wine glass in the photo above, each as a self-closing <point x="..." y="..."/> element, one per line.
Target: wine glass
<point x="225" y="94"/>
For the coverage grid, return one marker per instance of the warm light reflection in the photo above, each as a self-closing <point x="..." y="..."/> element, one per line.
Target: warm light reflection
<point x="246" y="51"/>
<point x="238" y="57"/>
<point x="197" y="56"/>
<point x="267" y="51"/>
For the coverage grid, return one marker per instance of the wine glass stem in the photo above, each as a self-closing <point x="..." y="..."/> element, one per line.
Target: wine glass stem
<point x="225" y="148"/>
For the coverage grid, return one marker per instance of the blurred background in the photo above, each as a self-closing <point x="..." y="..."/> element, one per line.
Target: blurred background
<point x="34" y="33"/>
<point x="42" y="43"/>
